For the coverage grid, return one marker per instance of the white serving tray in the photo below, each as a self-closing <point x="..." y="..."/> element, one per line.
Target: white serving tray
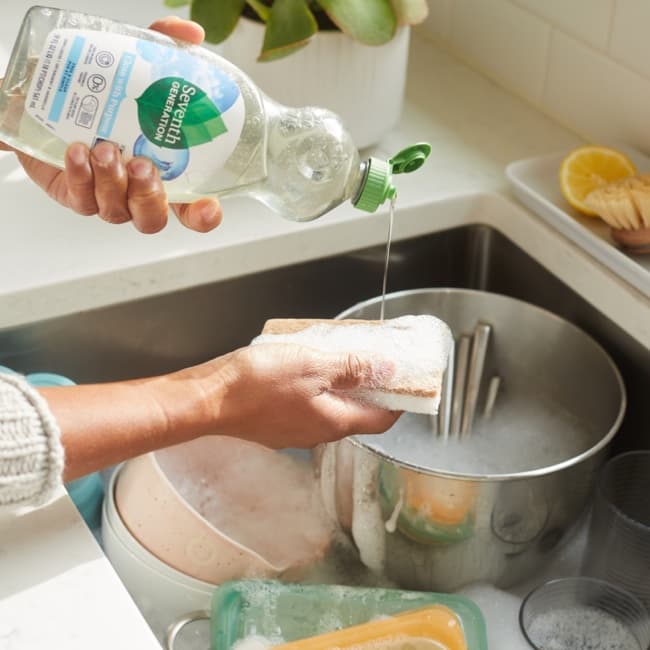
<point x="535" y="181"/>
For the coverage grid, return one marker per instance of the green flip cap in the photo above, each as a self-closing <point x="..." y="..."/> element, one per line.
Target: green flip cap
<point x="378" y="185"/>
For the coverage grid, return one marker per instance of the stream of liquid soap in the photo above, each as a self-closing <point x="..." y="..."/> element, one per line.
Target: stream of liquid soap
<point x="387" y="260"/>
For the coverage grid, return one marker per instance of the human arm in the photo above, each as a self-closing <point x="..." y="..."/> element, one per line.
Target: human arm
<point x="277" y="395"/>
<point x="101" y="182"/>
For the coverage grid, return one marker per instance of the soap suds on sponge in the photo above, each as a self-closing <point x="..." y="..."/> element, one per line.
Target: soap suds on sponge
<point x="418" y="346"/>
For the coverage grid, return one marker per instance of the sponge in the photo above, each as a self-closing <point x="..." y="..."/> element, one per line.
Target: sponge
<point x="418" y="346"/>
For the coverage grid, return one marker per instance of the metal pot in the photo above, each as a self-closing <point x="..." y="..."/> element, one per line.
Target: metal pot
<point x="498" y="526"/>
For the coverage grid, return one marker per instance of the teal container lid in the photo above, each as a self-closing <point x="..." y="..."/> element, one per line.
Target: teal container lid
<point x="297" y="611"/>
<point x="87" y="492"/>
<point x="42" y="379"/>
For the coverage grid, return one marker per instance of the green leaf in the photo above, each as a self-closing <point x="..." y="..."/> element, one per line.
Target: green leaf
<point x="372" y="22"/>
<point x="217" y="17"/>
<point x="175" y="114"/>
<point x="410" y="12"/>
<point x="260" y="9"/>
<point x="290" y="26"/>
<point x="176" y="3"/>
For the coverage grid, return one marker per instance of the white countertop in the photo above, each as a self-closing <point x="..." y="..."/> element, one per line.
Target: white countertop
<point x="56" y="587"/>
<point x="55" y="262"/>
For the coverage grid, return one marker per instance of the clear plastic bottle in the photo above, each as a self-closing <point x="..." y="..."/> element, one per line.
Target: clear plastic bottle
<point x="73" y="77"/>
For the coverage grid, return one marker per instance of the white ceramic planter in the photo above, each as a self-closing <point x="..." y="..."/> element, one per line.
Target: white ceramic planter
<point x="364" y="85"/>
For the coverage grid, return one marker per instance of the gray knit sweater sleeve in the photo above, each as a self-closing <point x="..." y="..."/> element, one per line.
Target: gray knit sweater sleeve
<point x="31" y="453"/>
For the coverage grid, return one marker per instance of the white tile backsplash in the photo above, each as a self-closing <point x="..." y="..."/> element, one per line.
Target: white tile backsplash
<point x="491" y="34"/>
<point x="602" y="100"/>
<point x="588" y="20"/>
<point x="584" y="62"/>
<point x="629" y="43"/>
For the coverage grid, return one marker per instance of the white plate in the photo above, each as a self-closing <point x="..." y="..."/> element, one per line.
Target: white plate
<point x="535" y="182"/>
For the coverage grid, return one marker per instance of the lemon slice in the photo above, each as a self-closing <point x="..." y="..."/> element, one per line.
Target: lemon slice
<point x="586" y="168"/>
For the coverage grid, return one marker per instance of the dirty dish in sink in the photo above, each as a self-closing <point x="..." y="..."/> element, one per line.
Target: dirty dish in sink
<point x="160" y="592"/>
<point x="438" y="514"/>
<point x="281" y="612"/>
<point x="220" y="508"/>
<point x="430" y="628"/>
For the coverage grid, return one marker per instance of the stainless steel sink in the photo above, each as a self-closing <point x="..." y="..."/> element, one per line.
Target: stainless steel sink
<point x="167" y="332"/>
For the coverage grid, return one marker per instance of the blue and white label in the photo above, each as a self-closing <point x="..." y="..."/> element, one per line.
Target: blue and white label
<point x="65" y="79"/>
<point x="116" y="96"/>
<point x="92" y="86"/>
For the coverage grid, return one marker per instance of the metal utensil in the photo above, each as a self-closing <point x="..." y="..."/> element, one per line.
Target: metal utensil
<point x="444" y="414"/>
<point x="460" y="374"/>
<point x="474" y="375"/>
<point x="492" y="392"/>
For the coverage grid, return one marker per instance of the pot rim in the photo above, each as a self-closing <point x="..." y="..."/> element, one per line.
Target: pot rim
<point x="526" y="474"/>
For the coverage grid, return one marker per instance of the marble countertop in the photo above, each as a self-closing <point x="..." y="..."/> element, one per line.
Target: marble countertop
<point x="55" y="262"/>
<point x="57" y="588"/>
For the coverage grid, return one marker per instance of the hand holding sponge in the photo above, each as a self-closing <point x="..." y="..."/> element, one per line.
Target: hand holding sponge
<point x="418" y="346"/>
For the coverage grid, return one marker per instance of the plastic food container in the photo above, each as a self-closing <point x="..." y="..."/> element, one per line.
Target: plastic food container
<point x="434" y="628"/>
<point x="195" y="508"/>
<point x="284" y="613"/>
<point x="161" y="592"/>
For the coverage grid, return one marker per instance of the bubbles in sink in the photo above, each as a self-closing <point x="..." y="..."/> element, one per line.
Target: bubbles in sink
<point x="255" y="642"/>
<point x="580" y="628"/>
<point x="523" y="434"/>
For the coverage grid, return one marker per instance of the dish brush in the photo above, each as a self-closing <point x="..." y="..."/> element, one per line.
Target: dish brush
<point x="625" y="206"/>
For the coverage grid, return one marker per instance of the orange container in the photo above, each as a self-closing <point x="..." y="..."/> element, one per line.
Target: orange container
<point x="430" y="628"/>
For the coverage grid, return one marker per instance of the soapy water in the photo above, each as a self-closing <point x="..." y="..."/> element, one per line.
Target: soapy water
<point x="213" y="475"/>
<point x="580" y="628"/>
<point x="523" y="434"/>
<point x="254" y="642"/>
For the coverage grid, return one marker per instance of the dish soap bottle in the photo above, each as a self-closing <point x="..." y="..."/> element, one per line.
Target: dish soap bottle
<point x="73" y="77"/>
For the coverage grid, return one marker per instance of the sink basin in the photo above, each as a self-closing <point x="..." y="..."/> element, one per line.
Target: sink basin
<point x="166" y="332"/>
<point x="496" y="248"/>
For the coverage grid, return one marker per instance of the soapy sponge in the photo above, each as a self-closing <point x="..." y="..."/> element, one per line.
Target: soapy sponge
<point x="418" y="346"/>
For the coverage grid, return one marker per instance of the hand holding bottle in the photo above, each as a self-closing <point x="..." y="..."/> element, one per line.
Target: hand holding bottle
<point x="101" y="182"/>
<point x="202" y="122"/>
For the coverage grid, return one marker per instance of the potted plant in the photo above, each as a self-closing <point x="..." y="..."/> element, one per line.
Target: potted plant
<point x="346" y="55"/>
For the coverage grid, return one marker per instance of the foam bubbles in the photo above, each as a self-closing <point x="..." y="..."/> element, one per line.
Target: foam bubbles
<point x="417" y="345"/>
<point x="523" y="434"/>
<point x="580" y="628"/>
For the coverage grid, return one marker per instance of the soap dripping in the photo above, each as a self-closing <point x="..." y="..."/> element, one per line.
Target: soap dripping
<point x="391" y="213"/>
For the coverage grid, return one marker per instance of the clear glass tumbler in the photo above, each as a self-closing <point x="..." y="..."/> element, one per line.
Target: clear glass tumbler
<point x="618" y="544"/>
<point x="583" y="613"/>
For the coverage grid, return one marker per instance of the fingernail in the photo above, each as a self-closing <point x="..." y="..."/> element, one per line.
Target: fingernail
<point x="140" y="168"/>
<point x="77" y="154"/>
<point x="104" y="153"/>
